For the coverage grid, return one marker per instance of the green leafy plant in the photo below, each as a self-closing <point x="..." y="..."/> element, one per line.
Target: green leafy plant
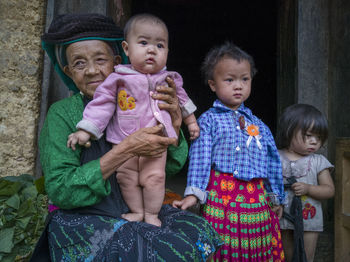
<point x="23" y="210"/>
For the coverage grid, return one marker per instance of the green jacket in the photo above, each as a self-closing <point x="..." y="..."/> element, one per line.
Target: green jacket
<point x="68" y="184"/>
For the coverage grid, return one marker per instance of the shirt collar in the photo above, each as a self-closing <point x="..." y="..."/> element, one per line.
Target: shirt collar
<point x="242" y="108"/>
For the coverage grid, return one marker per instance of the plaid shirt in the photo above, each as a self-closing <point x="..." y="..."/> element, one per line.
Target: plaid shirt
<point x="222" y="146"/>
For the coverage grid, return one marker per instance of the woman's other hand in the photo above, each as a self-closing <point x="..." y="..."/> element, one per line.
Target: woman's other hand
<point x="168" y="95"/>
<point x="185" y="203"/>
<point x="146" y="142"/>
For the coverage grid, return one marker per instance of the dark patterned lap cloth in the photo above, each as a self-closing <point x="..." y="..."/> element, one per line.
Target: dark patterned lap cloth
<point x="183" y="236"/>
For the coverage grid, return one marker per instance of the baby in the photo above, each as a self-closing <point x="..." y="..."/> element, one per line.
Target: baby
<point x="123" y="104"/>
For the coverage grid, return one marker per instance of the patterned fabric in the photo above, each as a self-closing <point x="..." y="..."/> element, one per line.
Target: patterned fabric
<point x="182" y="237"/>
<point x="239" y="212"/>
<point x="305" y="170"/>
<point x="226" y="146"/>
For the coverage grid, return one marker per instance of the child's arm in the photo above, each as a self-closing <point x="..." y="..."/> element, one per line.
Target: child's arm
<point x="187" y="107"/>
<point x="185" y="203"/>
<point x="192" y="126"/>
<point x="274" y="181"/>
<point x="324" y="189"/>
<point x="278" y="210"/>
<point x="81" y="137"/>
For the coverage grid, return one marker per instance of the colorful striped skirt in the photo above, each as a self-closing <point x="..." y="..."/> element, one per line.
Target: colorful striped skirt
<point x="239" y="211"/>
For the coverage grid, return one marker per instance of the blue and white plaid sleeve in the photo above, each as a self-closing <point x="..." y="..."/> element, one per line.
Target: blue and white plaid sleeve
<point x="200" y="161"/>
<point x="274" y="171"/>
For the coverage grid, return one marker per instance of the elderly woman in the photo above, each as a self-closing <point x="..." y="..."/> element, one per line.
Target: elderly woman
<point x="86" y="223"/>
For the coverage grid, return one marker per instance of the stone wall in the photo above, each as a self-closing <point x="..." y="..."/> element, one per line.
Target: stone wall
<point x="21" y="25"/>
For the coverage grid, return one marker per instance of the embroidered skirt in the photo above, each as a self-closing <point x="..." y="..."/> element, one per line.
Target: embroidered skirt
<point x="239" y="212"/>
<point x="183" y="236"/>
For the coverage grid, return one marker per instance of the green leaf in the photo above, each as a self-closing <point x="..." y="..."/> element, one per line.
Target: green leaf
<point x="23" y="222"/>
<point x="26" y="208"/>
<point x="22" y="210"/>
<point x="29" y="192"/>
<point x="40" y="185"/>
<point x="6" y="239"/>
<point x="13" y="201"/>
<point x="8" y="258"/>
<point x="8" y="188"/>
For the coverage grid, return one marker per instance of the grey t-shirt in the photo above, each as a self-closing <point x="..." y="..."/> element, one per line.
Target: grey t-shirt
<point x="306" y="170"/>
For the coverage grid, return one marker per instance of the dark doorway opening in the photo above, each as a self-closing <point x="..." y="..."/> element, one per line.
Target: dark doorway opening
<point x="195" y="26"/>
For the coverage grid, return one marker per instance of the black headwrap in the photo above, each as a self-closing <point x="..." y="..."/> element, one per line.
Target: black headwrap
<point x="70" y="28"/>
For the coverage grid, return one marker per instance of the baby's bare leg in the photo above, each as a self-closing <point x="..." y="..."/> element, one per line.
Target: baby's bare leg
<point x="152" y="178"/>
<point x="128" y="179"/>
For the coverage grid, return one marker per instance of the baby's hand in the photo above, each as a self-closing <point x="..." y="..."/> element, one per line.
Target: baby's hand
<point x="81" y="137"/>
<point x="193" y="129"/>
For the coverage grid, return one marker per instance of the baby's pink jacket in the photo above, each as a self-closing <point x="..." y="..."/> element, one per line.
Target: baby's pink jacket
<point x="123" y="104"/>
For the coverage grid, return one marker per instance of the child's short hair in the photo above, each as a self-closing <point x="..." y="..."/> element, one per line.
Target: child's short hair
<point x="300" y="117"/>
<point x="227" y="50"/>
<point x="142" y="17"/>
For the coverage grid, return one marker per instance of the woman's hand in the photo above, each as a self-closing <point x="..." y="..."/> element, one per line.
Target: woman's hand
<point x="168" y="95"/>
<point x="185" y="203"/>
<point x="147" y="142"/>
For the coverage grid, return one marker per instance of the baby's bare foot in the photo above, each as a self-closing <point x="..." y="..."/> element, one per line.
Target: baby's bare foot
<point x="153" y="219"/>
<point x="133" y="216"/>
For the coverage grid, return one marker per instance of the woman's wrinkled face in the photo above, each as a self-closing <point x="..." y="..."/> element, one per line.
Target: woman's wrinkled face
<point x="89" y="64"/>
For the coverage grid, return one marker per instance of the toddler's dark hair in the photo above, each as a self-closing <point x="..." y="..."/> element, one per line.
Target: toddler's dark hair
<point x="300" y="117"/>
<point x="226" y="50"/>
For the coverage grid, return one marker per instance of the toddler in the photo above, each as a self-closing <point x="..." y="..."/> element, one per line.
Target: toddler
<point x="302" y="131"/>
<point x="122" y="104"/>
<point x="234" y="162"/>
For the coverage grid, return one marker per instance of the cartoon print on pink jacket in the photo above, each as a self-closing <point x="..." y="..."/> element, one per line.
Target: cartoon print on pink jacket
<point x="123" y="104"/>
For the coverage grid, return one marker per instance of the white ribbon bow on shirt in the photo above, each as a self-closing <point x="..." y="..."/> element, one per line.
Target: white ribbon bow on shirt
<point x="253" y="131"/>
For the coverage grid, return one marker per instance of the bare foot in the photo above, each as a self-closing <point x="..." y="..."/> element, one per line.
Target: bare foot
<point x="133" y="216"/>
<point x="153" y="219"/>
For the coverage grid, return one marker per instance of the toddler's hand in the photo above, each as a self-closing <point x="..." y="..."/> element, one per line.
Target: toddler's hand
<point x="278" y="210"/>
<point x="81" y="137"/>
<point x="186" y="202"/>
<point x="300" y="188"/>
<point x="193" y="129"/>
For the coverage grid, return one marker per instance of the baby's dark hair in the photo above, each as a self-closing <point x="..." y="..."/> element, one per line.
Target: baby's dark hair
<point x="226" y="50"/>
<point x="300" y="117"/>
<point x="142" y="17"/>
